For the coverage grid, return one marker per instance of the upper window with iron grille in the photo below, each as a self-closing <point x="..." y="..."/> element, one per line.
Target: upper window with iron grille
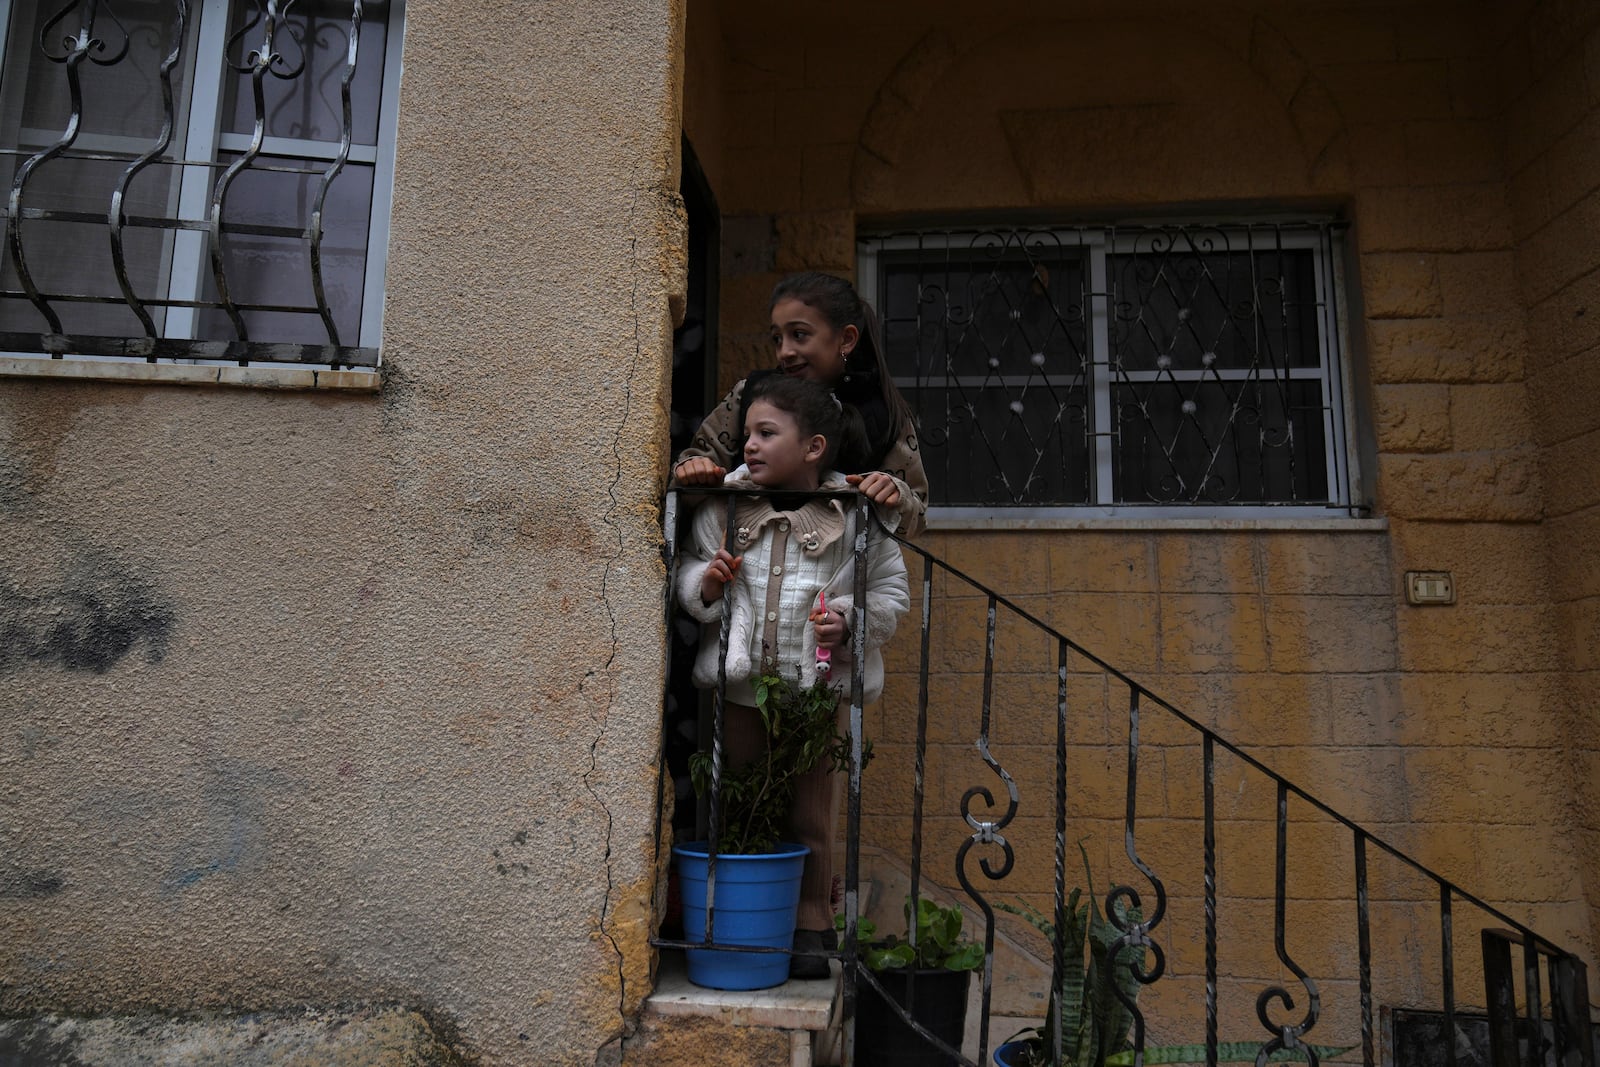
<point x="1144" y="371"/>
<point x="197" y="179"/>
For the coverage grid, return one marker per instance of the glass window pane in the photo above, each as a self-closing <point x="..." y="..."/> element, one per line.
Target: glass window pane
<point x="1188" y="302"/>
<point x="314" y="43"/>
<point x="121" y="99"/>
<point x="1005" y="310"/>
<point x="1205" y="441"/>
<point x="122" y="116"/>
<point x="66" y="230"/>
<point x="981" y="446"/>
<point x="986" y="340"/>
<point x="264" y="269"/>
<point x="73" y="258"/>
<point x="1211" y="389"/>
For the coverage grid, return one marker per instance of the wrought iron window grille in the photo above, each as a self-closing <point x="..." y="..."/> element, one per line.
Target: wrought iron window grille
<point x="1240" y="891"/>
<point x="1150" y="370"/>
<point x="197" y="180"/>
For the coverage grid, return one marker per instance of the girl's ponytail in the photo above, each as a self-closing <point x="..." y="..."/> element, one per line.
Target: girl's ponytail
<point x="870" y="356"/>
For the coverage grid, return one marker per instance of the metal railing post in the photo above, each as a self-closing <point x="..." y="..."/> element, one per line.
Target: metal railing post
<point x="1501" y="993"/>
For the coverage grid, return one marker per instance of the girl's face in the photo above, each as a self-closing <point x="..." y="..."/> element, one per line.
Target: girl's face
<point x="807" y="345"/>
<point x="778" y="454"/>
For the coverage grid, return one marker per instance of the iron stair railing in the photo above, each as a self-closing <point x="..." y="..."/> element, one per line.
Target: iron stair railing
<point x="1517" y="1036"/>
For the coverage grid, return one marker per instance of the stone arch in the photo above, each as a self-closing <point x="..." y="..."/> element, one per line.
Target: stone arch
<point x="940" y="135"/>
<point x="1308" y="103"/>
<point x="890" y="118"/>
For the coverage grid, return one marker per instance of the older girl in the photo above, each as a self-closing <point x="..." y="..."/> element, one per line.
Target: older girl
<point x="824" y="332"/>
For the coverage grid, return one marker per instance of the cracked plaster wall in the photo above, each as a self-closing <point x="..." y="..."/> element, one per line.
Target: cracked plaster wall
<point x="312" y="699"/>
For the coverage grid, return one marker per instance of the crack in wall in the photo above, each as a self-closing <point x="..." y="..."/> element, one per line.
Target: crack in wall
<point x="612" y="1043"/>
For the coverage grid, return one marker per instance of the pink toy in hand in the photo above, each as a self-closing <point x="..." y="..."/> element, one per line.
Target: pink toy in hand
<point x="824" y="655"/>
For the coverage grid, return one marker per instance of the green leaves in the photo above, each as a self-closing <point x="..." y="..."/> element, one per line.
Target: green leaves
<point x="890" y="958"/>
<point x="799" y="723"/>
<point x="967" y="957"/>
<point x="939" y="942"/>
<point x="1094" y="1021"/>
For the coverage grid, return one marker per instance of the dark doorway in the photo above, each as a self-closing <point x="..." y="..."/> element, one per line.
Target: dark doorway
<point x="694" y="379"/>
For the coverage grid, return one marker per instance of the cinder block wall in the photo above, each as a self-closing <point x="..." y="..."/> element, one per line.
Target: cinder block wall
<point x="1550" y="56"/>
<point x="1439" y="728"/>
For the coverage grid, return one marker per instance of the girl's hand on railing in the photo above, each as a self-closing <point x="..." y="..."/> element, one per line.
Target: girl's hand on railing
<point x="698" y="470"/>
<point x="877" y="487"/>
<point x="723" y="569"/>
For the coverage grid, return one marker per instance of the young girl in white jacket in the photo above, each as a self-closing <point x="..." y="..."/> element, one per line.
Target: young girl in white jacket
<point x="788" y="579"/>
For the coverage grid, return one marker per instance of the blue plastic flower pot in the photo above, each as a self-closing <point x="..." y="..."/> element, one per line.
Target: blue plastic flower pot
<point x="1010" y="1053"/>
<point x="756" y="901"/>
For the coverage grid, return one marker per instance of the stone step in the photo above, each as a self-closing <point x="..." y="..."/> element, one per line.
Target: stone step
<point x="787" y="1026"/>
<point x="792" y="1025"/>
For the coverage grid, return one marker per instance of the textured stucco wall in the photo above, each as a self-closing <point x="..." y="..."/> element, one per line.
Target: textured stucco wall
<point x="1442" y="729"/>
<point x="311" y="699"/>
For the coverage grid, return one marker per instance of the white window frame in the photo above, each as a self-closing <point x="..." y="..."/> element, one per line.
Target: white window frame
<point x="187" y="250"/>
<point x="1331" y="372"/>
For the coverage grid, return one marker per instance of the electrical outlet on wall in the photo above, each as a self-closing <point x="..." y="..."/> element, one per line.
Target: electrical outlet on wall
<point x="1430" y="587"/>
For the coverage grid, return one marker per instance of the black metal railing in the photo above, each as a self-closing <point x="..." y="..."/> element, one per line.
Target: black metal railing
<point x="1245" y="915"/>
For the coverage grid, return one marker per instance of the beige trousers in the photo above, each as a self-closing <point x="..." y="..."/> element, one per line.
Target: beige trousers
<point x="814" y="819"/>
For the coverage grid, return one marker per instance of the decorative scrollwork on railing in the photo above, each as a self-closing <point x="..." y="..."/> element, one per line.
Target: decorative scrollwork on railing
<point x="84" y="44"/>
<point x="77" y="47"/>
<point x="986" y="831"/>
<point x="117" y="219"/>
<point x="346" y="134"/>
<point x="1286" y="1035"/>
<point x="1123" y="900"/>
<point x="265" y="59"/>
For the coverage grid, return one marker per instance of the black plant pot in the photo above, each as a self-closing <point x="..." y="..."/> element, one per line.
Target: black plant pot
<point x="884" y="1040"/>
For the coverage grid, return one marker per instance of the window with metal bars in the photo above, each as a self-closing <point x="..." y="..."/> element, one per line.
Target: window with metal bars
<point x="197" y="179"/>
<point x="1134" y="370"/>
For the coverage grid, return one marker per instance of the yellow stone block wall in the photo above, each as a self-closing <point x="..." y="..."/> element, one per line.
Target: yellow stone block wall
<point x="1551" y="62"/>
<point x="1440" y="729"/>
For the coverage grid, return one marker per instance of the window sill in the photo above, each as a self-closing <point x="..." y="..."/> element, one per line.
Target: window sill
<point x="294" y="378"/>
<point x="978" y="522"/>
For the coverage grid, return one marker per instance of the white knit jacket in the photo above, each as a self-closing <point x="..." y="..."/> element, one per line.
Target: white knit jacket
<point x="830" y="570"/>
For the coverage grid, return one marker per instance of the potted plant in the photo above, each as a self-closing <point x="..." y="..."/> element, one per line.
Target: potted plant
<point x="757" y="886"/>
<point x="937" y="965"/>
<point x="1095" y="1022"/>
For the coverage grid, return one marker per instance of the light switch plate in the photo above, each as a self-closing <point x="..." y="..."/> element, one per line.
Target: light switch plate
<point x="1430" y="587"/>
